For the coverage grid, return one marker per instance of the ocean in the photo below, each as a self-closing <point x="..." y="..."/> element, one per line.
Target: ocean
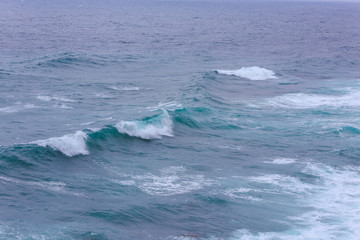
<point x="179" y="120"/>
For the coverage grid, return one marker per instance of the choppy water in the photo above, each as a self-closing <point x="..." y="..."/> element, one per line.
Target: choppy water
<point x="179" y="120"/>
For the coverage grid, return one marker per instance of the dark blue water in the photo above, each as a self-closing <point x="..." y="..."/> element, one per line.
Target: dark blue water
<point x="179" y="120"/>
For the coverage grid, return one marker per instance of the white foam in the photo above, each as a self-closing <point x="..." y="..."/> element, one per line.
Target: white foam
<point x="70" y="145"/>
<point x="148" y="130"/>
<point x="171" y="181"/>
<point x="282" y="161"/>
<point x="303" y="101"/>
<point x="252" y="73"/>
<point x="48" y="99"/>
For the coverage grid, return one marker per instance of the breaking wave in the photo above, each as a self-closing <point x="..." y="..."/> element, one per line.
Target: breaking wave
<point x="148" y="128"/>
<point x="252" y="73"/>
<point x="70" y="144"/>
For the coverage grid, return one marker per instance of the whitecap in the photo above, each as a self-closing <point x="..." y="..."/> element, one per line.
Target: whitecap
<point x="252" y="73"/>
<point x="152" y="128"/>
<point x="70" y="145"/>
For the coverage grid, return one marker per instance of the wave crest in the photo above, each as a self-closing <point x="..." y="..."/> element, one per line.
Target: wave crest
<point x="70" y="144"/>
<point x="252" y="73"/>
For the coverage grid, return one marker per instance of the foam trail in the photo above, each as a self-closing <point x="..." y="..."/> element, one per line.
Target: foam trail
<point x="152" y="128"/>
<point x="252" y="73"/>
<point x="70" y="145"/>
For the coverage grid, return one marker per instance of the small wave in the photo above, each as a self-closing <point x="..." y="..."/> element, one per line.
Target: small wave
<point x="70" y="145"/>
<point x="67" y="60"/>
<point x="148" y="128"/>
<point x="252" y="73"/>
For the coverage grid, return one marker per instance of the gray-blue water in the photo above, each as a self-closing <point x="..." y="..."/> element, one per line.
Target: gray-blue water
<point x="179" y="120"/>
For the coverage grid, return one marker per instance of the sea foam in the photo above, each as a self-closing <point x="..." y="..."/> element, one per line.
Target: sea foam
<point x="252" y="73"/>
<point x="171" y="181"/>
<point x="150" y="128"/>
<point x="70" y="144"/>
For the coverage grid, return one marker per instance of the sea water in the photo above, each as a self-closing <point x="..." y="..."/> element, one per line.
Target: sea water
<point x="179" y="120"/>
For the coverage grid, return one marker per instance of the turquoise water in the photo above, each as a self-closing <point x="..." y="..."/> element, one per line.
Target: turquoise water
<point x="179" y="120"/>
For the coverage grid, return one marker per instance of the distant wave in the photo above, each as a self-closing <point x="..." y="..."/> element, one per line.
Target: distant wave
<point x="252" y="73"/>
<point x="149" y="128"/>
